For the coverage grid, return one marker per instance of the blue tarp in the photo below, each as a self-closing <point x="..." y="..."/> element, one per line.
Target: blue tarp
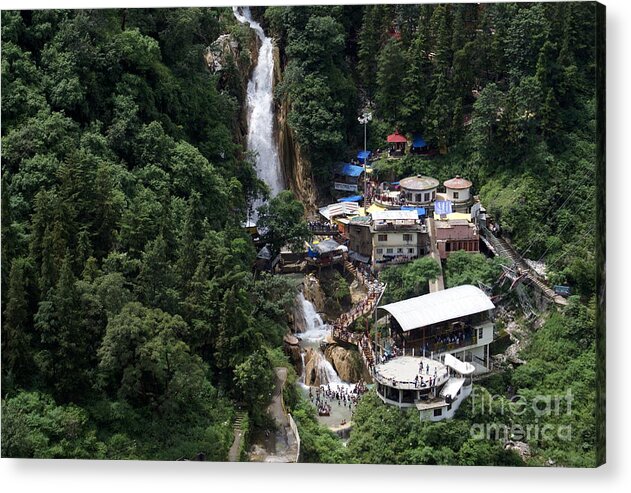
<point x="346" y="169"/>
<point x="363" y="155"/>
<point x="352" y="198"/>
<point x="419" y="210"/>
<point x="442" y="207"/>
<point x="418" y="141"/>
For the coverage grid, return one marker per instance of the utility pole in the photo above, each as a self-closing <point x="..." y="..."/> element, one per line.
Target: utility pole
<point x="364" y="119"/>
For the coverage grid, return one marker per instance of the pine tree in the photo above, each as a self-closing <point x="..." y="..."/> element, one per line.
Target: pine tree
<point x="391" y="67"/>
<point x="17" y="354"/>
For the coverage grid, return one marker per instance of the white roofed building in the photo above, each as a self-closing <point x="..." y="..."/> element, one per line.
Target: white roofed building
<point x="456" y="321"/>
<point x="398" y="236"/>
<point x="433" y="387"/>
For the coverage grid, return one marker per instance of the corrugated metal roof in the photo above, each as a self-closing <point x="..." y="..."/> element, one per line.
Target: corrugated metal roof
<point x="346" y="169"/>
<point x="438" y="307"/>
<point x="340" y="209"/>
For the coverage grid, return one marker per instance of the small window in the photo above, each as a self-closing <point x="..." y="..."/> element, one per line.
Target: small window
<point x="433" y="195"/>
<point x="410" y="250"/>
<point x="399" y="250"/>
<point x="419" y="197"/>
<point x="427" y="195"/>
<point x="382" y="237"/>
<point x="480" y="333"/>
<point x="449" y="407"/>
<point x="407" y="237"/>
<point x="455" y="195"/>
<point x="438" y="412"/>
<point x="388" y="250"/>
<point x="379" y="250"/>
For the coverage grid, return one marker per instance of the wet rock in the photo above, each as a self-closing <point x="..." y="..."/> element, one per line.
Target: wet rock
<point x="291" y="346"/>
<point x="346" y="361"/>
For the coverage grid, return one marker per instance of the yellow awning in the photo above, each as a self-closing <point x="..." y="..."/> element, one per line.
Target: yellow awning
<point x="454" y="215"/>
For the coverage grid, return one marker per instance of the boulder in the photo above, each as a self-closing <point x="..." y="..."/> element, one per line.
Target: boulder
<point x="346" y="361"/>
<point x="291" y="347"/>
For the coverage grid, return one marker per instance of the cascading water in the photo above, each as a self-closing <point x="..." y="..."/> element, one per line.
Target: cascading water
<point x="261" y="140"/>
<point x="315" y="330"/>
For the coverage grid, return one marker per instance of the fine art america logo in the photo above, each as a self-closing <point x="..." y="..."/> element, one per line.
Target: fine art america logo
<point x="521" y="418"/>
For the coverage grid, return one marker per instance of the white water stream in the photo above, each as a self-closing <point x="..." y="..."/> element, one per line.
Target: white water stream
<point x="260" y="107"/>
<point x="315" y="330"/>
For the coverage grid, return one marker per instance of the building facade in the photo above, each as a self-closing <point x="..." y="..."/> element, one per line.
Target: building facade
<point x="458" y="191"/>
<point x="456" y="234"/>
<point x="395" y="236"/>
<point x="456" y="321"/>
<point x="419" y="191"/>
<point x="435" y="388"/>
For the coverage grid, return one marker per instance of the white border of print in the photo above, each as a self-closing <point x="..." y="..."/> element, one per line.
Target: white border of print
<point x="108" y="476"/>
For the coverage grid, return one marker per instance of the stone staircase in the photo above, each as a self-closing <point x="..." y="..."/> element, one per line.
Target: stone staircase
<point x="350" y="268"/>
<point x="233" y="453"/>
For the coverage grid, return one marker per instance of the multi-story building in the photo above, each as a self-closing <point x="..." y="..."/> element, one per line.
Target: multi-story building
<point x="456" y="321"/>
<point x="456" y="234"/>
<point x="436" y="389"/>
<point x="396" y="236"/>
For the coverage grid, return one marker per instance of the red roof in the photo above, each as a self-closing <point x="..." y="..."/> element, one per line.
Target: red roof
<point x="396" y="138"/>
<point x="457" y="183"/>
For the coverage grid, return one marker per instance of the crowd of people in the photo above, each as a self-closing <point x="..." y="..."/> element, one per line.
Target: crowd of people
<point x="455" y="338"/>
<point x="385" y="198"/>
<point x="325" y="395"/>
<point x="322" y="226"/>
<point x="426" y="377"/>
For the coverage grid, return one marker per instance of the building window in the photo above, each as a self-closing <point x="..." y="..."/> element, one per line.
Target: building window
<point x="410" y="250"/>
<point x="438" y="412"/>
<point x="455" y="195"/>
<point x="480" y="333"/>
<point x="407" y="237"/>
<point x="388" y="250"/>
<point x="448" y="247"/>
<point x="379" y="250"/>
<point x="449" y="407"/>
<point x="427" y="195"/>
<point x="382" y="237"/>
<point x="419" y="197"/>
<point x="433" y="195"/>
<point x="399" y="250"/>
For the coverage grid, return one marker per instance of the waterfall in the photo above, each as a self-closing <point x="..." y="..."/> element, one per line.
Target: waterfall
<point x="326" y="372"/>
<point x="315" y="328"/>
<point x="260" y="108"/>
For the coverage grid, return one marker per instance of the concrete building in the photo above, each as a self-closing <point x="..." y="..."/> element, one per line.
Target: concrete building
<point x="360" y="238"/>
<point x="419" y="191"/>
<point x="458" y="191"/>
<point x="396" y="236"/>
<point x="456" y="321"/>
<point x="435" y="388"/>
<point x="456" y="234"/>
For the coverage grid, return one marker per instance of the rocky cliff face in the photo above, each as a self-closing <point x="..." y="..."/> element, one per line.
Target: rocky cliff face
<point x="296" y="167"/>
<point x="229" y="58"/>
<point x="313" y="293"/>
<point x="347" y="362"/>
<point x="291" y="346"/>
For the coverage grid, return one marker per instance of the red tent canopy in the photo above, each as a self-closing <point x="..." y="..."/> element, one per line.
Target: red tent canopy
<point x="396" y="138"/>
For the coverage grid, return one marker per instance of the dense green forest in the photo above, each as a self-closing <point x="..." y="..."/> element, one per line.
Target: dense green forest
<point x="505" y="91"/>
<point x="132" y="326"/>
